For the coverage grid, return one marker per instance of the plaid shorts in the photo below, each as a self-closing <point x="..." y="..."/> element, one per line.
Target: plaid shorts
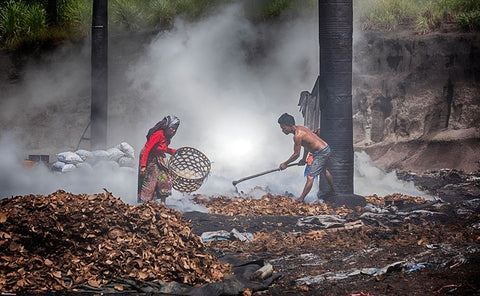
<point x="319" y="163"/>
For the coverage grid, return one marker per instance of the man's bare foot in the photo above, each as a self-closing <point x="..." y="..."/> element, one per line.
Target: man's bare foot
<point x="331" y="193"/>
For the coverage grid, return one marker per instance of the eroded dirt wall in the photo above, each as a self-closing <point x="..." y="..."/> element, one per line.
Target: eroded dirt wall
<point x="420" y="88"/>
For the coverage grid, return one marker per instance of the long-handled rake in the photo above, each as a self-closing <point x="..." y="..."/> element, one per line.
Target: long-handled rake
<point x="260" y="174"/>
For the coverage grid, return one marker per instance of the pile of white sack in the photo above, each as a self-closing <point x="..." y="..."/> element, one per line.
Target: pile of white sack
<point x="120" y="156"/>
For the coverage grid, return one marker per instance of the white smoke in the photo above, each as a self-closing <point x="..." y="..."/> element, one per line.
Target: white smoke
<point x="227" y="79"/>
<point x="370" y="179"/>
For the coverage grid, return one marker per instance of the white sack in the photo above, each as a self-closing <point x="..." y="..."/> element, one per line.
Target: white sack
<point x="127" y="149"/>
<point x="69" y="157"/>
<point x="114" y="154"/>
<point x="68" y="168"/>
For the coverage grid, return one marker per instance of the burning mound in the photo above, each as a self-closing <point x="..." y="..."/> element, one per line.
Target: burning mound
<point x="62" y="241"/>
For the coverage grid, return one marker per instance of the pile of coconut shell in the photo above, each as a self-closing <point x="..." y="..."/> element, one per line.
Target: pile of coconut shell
<point x="394" y="199"/>
<point x="269" y="204"/>
<point x="63" y="241"/>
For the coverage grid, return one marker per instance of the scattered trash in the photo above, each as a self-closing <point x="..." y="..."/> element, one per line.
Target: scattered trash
<point x="378" y="273"/>
<point x="223" y="235"/>
<point x="422" y="265"/>
<point x="452" y="288"/>
<point x="324" y="221"/>
<point x="215" y="235"/>
<point x="243" y="236"/>
<point x="263" y="273"/>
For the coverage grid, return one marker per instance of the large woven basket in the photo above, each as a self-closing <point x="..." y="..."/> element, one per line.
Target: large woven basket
<point x="188" y="169"/>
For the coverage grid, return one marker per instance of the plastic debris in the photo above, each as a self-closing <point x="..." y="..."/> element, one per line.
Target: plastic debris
<point x="325" y="221"/>
<point x="215" y="235"/>
<point x="243" y="236"/>
<point x="224" y="235"/>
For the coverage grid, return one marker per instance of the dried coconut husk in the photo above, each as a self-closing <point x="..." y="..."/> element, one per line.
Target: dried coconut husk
<point x="269" y="204"/>
<point x="395" y="199"/>
<point x="59" y="241"/>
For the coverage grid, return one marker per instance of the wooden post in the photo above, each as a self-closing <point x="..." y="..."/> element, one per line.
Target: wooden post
<point x="99" y="100"/>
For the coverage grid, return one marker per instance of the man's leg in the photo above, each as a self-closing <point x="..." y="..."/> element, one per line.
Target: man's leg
<point x="307" y="188"/>
<point x="330" y="181"/>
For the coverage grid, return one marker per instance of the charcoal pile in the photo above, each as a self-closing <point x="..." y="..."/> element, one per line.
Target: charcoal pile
<point x="269" y="204"/>
<point x="64" y="241"/>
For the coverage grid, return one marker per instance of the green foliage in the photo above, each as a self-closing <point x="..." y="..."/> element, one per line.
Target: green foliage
<point x="459" y="6"/>
<point x="259" y="10"/>
<point x="466" y="13"/>
<point x="34" y="21"/>
<point x="469" y="21"/>
<point x="138" y="15"/>
<point x="75" y="16"/>
<point x="130" y="14"/>
<point x="25" y="20"/>
<point x="275" y="8"/>
<point x="426" y="15"/>
<point x="162" y="13"/>
<point x="10" y="22"/>
<point x="376" y="15"/>
<point x="20" y="22"/>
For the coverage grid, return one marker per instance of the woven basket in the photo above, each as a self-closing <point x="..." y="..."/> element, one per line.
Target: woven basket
<point x="188" y="169"/>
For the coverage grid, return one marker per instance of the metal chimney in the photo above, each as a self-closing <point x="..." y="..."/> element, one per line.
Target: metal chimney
<point x="332" y="94"/>
<point x="99" y="75"/>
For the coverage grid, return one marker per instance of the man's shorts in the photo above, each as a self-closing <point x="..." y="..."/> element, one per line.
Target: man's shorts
<point x="319" y="163"/>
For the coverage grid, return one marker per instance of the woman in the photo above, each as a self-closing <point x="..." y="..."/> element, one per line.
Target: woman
<point x="154" y="180"/>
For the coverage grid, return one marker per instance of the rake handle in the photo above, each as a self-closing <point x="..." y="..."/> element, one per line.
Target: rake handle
<point x="261" y="174"/>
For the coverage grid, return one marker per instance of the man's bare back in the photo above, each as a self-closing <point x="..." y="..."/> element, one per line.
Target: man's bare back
<point x="308" y="139"/>
<point x="302" y="136"/>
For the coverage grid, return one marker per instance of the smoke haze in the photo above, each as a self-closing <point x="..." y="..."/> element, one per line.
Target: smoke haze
<point x="226" y="79"/>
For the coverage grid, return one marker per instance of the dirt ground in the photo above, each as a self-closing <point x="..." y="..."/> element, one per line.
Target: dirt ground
<point x="395" y="245"/>
<point x="430" y="248"/>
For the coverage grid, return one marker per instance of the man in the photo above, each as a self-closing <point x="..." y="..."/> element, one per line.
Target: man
<point x="312" y="143"/>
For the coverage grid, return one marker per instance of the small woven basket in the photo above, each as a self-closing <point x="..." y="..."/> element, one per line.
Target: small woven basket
<point x="188" y="169"/>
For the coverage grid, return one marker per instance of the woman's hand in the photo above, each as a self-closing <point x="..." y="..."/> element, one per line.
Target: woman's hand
<point x="142" y="170"/>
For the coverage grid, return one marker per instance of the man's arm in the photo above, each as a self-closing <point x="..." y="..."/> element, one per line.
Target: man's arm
<point x="297" y="146"/>
<point x="303" y="161"/>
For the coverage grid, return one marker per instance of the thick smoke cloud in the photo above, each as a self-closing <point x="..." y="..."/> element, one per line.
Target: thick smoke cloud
<point x="225" y="78"/>
<point x="218" y="78"/>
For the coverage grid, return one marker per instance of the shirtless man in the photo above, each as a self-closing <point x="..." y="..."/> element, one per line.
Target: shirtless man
<point x="312" y="143"/>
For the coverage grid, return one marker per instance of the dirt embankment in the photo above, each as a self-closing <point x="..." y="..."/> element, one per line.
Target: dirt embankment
<point x="417" y="100"/>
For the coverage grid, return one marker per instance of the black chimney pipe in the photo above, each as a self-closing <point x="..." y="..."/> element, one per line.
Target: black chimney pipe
<point x="335" y="93"/>
<point x="99" y="75"/>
